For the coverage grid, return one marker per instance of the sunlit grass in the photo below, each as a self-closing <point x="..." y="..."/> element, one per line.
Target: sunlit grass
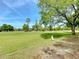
<point x="13" y="41"/>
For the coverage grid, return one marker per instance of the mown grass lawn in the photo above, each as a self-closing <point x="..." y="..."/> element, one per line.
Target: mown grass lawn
<point x="13" y="41"/>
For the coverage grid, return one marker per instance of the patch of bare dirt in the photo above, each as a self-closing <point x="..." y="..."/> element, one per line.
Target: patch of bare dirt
<point x="67" y="49"/>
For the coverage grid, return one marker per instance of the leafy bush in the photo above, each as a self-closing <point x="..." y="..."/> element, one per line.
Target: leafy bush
<point x="55" y="35"/>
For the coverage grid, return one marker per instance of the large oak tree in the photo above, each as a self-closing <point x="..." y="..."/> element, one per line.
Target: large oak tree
<point x="67" y="9"/>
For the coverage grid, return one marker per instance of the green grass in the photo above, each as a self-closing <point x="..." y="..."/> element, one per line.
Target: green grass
<point x="11" y="42"/>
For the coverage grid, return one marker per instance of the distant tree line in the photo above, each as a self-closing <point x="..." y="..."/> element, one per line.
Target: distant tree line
<point x="43" y="25"/>
<point x="40" y="25"/>
<point x="6" y="27"/>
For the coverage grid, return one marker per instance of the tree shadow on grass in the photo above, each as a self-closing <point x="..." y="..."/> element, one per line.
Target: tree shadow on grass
<point x="55" y="35"/>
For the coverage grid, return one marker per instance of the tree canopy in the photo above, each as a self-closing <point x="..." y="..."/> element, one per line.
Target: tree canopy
<point x="68" y="9"/>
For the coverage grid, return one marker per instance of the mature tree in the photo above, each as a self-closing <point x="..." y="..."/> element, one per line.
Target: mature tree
<point x="6" y="27"/>
<point x="67" y="9"/>
<point x="10" y="27"/>
<point x="36" y="26"/>
<point x="50" y="27"/>
<point x="25" y="27"/>
<point x="27" y="22"/>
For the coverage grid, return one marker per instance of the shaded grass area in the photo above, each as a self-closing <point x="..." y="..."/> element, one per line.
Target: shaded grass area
<point x="55" y="35"/>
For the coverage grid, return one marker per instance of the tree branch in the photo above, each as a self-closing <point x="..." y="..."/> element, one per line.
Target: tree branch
<point x="76" y="13"/>
<point x="74" y="8"/>
<point x="64" y="15"/>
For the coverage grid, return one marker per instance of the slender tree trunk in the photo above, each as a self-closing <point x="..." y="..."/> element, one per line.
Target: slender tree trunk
<point x="73" y="29"/>
<point x="50" y="28"/>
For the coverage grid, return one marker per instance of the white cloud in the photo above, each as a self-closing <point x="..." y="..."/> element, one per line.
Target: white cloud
<point x="13" y="4"/>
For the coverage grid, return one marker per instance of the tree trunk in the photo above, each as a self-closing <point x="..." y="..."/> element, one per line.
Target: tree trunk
<point x="45" y="27"/>
<point x="73" y="29"/>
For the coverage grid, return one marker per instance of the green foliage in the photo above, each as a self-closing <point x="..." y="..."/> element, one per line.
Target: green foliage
<point x="27" y="20"/>
<point x="48" y="6"/>
<point x="54" y="8"/>
<point x="10" y="28"/>
<point x="25" y="27"/>
<point x="77" y="22"/>
<point x="6" y="27"/>
<point x="50" y="28"/>
<point x="48" y="9"/>
<point x="36" y="26"/>
<point x="55" y="35"/>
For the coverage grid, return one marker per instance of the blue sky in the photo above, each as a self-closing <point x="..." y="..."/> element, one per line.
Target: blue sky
<point x="15" y="12"/>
